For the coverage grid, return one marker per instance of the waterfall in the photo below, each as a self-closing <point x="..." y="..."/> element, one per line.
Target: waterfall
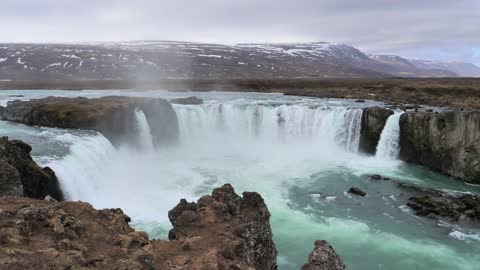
<point x="144" y="134"/>
<point x="352" y="126"/>
<point x="389" y="144"/>
<point x="285" y="123"/>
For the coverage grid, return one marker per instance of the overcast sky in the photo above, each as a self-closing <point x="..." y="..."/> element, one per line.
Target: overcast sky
<point x="431" y="29"/>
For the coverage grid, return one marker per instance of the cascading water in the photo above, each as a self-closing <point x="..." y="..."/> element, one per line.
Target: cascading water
<point x="298" y="153"/>
<point x="330" y="125"/>
<point x="389" y="143"/>
<point x="144" y="134"/>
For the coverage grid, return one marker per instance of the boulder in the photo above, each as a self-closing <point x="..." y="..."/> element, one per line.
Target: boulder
<point x="373" y="122"/>
<point x="357" y="191"/>
<point x="112" y="116"/>
<point x="447" y="142"/>
<point x="324" y="257"/>
<point x="21" y="176"/>
<point x="187" y="101"/>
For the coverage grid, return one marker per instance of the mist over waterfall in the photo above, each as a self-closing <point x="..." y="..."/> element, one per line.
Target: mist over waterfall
<point x="389" y="144"/>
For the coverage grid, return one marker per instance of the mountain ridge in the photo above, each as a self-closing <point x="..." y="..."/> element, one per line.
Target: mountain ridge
<point x="146" y="60"/>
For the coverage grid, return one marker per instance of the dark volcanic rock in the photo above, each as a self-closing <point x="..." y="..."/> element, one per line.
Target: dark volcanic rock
<point x="21" y="176"/>
<point x="112" y="116"/>
<point x="357" y="191"/>
<point x="447" y="142"/>
<point x="440" y="205"/>
<point x="221" y="231"/>
<point x="187" y="101"/>
<point x="377" y="177"/>
<point x="373" y="122"/>
<point x="324" y="257"/>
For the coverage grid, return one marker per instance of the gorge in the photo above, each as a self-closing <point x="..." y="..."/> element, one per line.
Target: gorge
<point x="301" y="154"/>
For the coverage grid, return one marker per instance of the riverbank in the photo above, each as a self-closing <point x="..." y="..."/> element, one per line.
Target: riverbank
<point x="452" y="92"/>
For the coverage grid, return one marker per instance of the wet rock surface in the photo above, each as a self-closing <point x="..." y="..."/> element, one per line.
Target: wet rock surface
<point x="221" y="231"/>
<point x="446" y="142"/>
<point x="373" y="122"/>
<point x="112" y="116"/>
<point x="324" y="257"/>
<point x="357" y="191"/>
<point x="187" y="101"/>
<point x="21" y="176"/>
<point x="438" y="205"/>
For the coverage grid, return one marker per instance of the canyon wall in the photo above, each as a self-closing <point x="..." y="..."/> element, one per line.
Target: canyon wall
<point x="446" y="142"/>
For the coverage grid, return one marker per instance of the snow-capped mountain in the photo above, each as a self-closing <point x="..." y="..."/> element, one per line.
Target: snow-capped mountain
<point x="151" y="60"/>
<point x="461" y="68"/>
<point x="405" y="68"/>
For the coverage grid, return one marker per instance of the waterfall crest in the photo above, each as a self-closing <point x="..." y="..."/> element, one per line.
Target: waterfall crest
<point x="285" y="123"/>
<point x="389" y="143"/>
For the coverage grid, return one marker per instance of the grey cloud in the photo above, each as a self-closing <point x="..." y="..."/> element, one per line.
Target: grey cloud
<point x="444" y="29"/>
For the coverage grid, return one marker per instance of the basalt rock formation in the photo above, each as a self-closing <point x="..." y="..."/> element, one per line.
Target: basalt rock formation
<point x="221" y="231"/>
<point x="21" y="176"/>
<point x="373" y="122"/>
<point x="447" y="142"/>
<point x="439" y="205"/>
<point x="111" y="116"/>
<point x="324" y="257"/>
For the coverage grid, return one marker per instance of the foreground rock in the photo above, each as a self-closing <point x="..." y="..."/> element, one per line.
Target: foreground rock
<point x="324" y="257"/>
<point x="221" y="231"/>
<point x="443" y="206"/>
<point x="373" y="122"/>
<point x="114" y="117"/>
<point x="187" y="101"/>
<point x="21" y="176"/>
<point x="447" y="142"/>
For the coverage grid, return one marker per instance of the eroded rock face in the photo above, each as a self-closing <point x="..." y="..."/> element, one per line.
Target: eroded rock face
<point x="221" y="231"/>
<point x="111" y="116"/>
<point x="21" y="176"/>
<point x="373" y="122"/>
<point x="187" y="101"/>
<point x="447" y="142"/>
<point x="324" y="257"/>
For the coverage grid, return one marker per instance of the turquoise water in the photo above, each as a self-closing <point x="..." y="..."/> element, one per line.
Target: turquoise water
<point x="300" y="165"/>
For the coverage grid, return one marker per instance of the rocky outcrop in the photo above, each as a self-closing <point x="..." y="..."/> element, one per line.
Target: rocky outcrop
<point x="187" y="101"/>
<point x="439" y="205"/>
<point x="447" y="142"/>
<point x="221" y="231"/>
<point x="373" y="122"/>
<point x="246" y="237"/>
<point x="324" y="257"/>
<point x="21" y="176"/>
<point x="111" y="116"/>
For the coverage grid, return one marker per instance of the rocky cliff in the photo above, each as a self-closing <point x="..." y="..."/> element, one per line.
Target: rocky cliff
<point x="447" y="142"/>
<point x="221" y="231"/>
<point x="111" y="116"/>
<point x="21" y="176"/>
<point x="373" y="122"/>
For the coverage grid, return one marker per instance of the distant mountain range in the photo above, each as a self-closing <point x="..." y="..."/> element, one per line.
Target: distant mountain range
<point x="151" y="60"/>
